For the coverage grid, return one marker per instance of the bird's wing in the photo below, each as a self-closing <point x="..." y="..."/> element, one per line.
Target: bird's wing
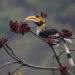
<point x="48" y="32"/>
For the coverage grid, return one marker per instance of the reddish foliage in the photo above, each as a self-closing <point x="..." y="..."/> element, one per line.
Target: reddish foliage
<point x="63" y="70"/>
<point x="49" y="41"/>
<point x="44" y="14"/>
<point x="65" y="33"/>
<point x="19" y="28"/>
<point x="4" y="40"/>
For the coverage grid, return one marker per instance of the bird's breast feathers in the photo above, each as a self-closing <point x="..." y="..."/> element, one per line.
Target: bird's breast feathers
<point x="48" y="33"/>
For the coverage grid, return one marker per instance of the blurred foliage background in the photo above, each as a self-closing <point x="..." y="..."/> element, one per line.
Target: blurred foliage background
<point x="61" y="14"/>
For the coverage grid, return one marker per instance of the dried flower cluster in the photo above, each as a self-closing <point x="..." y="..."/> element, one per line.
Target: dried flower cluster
<point x="19" y="28"/>
<point x="44" y="14"/>
<point x="63" y="70"/>
<point x="66" y="33"/>
<point x="49" y="41"/>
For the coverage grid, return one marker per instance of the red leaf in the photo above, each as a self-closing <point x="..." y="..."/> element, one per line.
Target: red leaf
<point x="44" y="14"/>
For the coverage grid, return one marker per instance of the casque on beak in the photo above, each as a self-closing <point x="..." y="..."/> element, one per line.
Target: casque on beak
<point x="38" y="20"/>
<point x="32" y="18"/>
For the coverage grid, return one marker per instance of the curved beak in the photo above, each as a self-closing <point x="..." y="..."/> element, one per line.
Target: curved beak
<point x="32" y="18"/>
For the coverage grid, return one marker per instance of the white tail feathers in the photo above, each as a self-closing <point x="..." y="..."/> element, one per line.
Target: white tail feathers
<point x="68" y="54"/>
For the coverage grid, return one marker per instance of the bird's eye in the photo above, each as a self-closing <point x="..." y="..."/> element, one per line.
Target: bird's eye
<point x="37" y="16"/>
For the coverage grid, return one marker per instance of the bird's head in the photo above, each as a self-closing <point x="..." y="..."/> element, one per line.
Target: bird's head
<point x="37" y="19"/>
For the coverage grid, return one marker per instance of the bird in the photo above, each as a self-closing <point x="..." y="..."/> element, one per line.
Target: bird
<point x="49" y="33"/>
<point x="42" y="31"/>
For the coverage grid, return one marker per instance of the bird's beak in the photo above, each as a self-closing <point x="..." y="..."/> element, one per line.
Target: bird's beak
<point x="32" y="18"/>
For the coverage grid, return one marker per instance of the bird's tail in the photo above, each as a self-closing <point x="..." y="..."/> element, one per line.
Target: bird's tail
<point x="68" y="55"/>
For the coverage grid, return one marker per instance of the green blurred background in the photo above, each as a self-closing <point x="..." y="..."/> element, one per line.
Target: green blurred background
<point x="61" y="14"/>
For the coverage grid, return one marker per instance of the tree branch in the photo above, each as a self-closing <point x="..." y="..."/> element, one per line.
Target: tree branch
<point x="56" y="56"/>
<point x="6" y="64"/>
<point x="19" y="61"/>
<point x="64" y="52"/>
<point x="16" y="69"/>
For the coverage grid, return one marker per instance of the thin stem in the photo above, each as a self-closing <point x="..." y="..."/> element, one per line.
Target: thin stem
<point x="37" y="36"/>
<point x="6" y="64"/>
<point x="39" y="67"/>
<point x="10" y="50"/>
<point x="56" y="56"/>
<point x="9" y="53"/>
<point x="16" y="69"/>
<point x="64" y="52"/>
<point x="29" y="65"/>
<point x="18" y="59"/>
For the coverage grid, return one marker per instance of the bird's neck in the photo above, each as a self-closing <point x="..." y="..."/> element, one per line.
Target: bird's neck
<point x="40" y="28"/>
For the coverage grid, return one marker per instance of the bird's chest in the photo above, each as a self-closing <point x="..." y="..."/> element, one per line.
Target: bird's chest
<point x="48" y="33"/>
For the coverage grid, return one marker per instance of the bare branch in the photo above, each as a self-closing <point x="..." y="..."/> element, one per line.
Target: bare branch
<point x="64" y="52"/>
<point x="56" y="56"/>
<point x="11" y="51"/>
<point x="39" y="67"/>
<point x="16" y="69"/>
<point x="7" y="64"/>
<point x="19" y="61"/>
<point x="22" y="63"/>
<point x="28" y="65"/>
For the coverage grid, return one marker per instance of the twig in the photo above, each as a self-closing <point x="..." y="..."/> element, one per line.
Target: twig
<point x="13" y="54"/>
<point x="26" y="64"/>
<point x="39" y="67"/>
<point x="64" y="52"/>
<point x="6" y="64"/>
<point x="51" y="47"/>
<point x="29" y="65"/>
<point x="16" y="69"/>
<point x="35" y="67"/>
<point x="9" y="53"/>
<point x="37" y="36"/>
<point x="56" y="56"/>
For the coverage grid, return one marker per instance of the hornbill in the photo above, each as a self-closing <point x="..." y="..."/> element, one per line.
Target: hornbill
<point x="49" y="33"/>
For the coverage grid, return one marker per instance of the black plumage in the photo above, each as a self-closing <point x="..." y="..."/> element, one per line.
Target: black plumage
<point x="47" y="32"/>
